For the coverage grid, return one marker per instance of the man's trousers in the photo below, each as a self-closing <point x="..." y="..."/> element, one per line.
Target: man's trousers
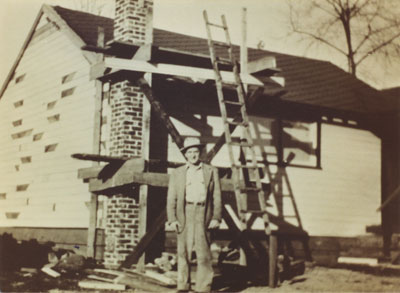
<point x="193" y="238"/>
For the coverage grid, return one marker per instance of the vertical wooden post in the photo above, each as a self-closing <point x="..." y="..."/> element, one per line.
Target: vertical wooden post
<point x="243" y="46"/>
<point x="318" y="150"/>
<point x="144" y="189"/>
<point x="273" y="255"/>
<point x="243" y="70"/>
<point x="91" y="240"/>
<point x="280" y="141"/>
<point x="143" y="192"/>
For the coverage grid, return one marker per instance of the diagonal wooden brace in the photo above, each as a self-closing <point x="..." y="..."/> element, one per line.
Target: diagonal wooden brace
<point x="161" y="114"/>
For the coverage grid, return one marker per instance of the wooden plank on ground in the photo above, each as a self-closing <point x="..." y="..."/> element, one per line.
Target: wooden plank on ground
<point x="142" y="284"/>
<point x="100" y="285"/>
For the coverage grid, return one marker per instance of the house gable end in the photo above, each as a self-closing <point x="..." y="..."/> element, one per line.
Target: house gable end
<point x="47" y="17"/>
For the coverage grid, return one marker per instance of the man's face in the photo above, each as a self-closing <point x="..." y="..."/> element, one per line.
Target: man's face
<point x="193" y="155"/>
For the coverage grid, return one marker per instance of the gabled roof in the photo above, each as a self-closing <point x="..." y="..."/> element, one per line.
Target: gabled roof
<point x="307" y="81"/>
<point x="392" y="95"/>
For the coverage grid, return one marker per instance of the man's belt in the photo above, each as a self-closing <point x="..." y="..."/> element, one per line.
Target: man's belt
<point x="203" y="203"/>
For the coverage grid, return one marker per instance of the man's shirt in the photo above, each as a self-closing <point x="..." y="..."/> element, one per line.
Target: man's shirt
<point x="195" y="187"/>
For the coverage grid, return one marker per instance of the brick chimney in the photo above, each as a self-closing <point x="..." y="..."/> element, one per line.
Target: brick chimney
<point x="132" y="24"/>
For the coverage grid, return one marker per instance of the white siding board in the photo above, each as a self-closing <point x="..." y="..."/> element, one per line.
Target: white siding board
<point x="52" y="175"/>
<point x="340" y="199"/>
<point x="346" y="191"/>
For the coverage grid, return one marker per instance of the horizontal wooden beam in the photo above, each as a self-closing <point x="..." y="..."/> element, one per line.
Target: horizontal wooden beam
<point x="117" y="162"/>
<point x="178" y="70"/>
<point x="127" y="179"/>
<point x="265" y="66"/>
<point x="130" y="177"/>
<point x="99" y="158"/>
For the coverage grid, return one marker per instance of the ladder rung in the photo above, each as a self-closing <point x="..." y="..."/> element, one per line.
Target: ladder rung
<point x="233" y="102"/>
<point x="223" y="61"/>
<point x="221" y="44"/>
<point x="216" y="25"/>
<point x="244" y="166"/>
<point x="254" y="189"/>
<point x="237" y="122"/>
<point x="254" y="212"/>
<point x="241" y="144"/>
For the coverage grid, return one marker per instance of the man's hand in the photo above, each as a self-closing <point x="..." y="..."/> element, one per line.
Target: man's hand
<point x="214" y="224"/>
<point x="176" y="226"/>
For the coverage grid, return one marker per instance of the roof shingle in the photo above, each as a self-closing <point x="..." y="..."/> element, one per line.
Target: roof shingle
<point x="307" y="81"/>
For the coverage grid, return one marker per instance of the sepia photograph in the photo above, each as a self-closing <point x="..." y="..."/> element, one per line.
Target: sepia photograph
<point x="199" y="146"/>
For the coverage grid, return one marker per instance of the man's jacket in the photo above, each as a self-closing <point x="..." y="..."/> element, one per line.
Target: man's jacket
<point x="176" y="195"/>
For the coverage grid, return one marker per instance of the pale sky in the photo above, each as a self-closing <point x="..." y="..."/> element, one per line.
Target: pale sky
<point x="266" y="22"/>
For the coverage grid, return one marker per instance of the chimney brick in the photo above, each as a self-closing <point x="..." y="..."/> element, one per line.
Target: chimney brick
<point x="132" y="24"/>
<point x="131" y="19"/>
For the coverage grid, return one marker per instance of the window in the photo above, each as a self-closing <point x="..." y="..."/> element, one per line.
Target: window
<point x="67" y="78"/>
<point x="51" y="105"/>
<point x="21" y="134"/>
<point x="37" y="136"/>
<point x="20" y="78"/>
<point x="17" y="123"/>
<point x="12" y="215"/>
<point x="19" y="103"/>
<point x="22" y="187"/>
<point x="16" y="168"/>
<point x="50" y="148"/>
<point x="26" y="160"/>
<point x="54" y="118"/>
<point x="3" y="195"/>
<point x="68" y="92"/>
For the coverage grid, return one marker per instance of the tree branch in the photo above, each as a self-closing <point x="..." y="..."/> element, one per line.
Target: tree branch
<point x="320" y="39"/>
<point x="374" y="50"/>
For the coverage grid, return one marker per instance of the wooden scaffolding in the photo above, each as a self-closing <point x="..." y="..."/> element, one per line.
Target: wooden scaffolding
<point x="121" y="61"/>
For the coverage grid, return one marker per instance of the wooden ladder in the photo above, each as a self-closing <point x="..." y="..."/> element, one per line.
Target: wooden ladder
<point x="237" y="104"/>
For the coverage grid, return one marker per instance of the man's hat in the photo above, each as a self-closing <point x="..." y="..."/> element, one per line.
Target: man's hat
<point x="191" y="142"/>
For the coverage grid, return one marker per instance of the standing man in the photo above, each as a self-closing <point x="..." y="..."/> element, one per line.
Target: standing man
<point x="193" y="206"/>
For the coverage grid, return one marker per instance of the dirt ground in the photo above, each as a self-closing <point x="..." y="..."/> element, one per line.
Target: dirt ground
<point x="322" y="279"/>
<point x="315" y="279"/>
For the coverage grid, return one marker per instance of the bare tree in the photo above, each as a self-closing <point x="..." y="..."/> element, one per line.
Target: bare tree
<point x="358" y="29"/>
<point x="98" y="7"/>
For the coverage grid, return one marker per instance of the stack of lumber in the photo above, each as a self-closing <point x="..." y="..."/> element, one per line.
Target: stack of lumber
<point x="149" y="281"/>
